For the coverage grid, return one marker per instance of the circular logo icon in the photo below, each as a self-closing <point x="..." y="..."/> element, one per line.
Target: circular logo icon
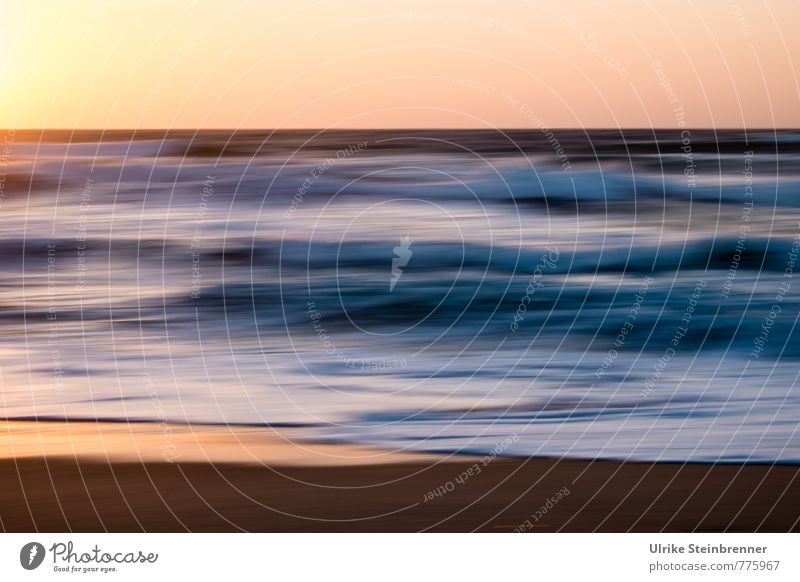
<point x="31" y="555"/>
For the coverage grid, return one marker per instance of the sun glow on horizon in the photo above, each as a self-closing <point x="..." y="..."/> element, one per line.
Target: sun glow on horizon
<point x="289" y="64"/>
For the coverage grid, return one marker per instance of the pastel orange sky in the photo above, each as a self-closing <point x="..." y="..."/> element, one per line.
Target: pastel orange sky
<point x="465" y="63"/>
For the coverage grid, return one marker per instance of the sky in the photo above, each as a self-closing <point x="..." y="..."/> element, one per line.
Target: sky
<point x="414" y="64"/>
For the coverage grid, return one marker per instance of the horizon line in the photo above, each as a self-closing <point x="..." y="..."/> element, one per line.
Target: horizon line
<point x="322" y="129"/>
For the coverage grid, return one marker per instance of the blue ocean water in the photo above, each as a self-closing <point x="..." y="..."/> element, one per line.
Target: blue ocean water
<point x="603" y="294"/>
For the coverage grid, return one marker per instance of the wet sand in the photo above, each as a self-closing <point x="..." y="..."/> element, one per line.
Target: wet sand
<point x="87" y="476"/>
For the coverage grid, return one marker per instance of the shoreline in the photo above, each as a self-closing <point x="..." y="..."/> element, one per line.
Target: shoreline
<point x="86" y="476"/>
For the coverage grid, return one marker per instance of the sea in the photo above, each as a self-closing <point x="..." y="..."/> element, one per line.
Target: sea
<point x="593" y="294"/>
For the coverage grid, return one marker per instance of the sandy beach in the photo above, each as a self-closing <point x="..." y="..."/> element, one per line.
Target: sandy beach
<point x="85" y="476"/>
